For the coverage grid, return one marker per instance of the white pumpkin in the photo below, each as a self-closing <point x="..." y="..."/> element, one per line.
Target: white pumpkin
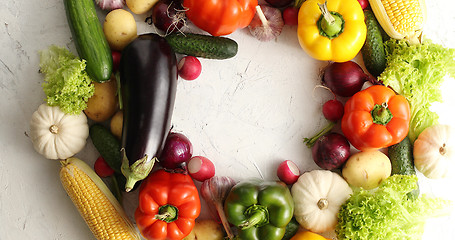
<point x="318" y="196"/>
<point x="57" y="135"/>
<point x="434" y="151"/>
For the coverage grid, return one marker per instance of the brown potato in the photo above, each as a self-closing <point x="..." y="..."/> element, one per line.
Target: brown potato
<point x="117" y="124"/>
<point x="208" y="230"/>
<point x="104" y="102"/>
<point x="119" y="28"/>
<point x="140" y="6"/>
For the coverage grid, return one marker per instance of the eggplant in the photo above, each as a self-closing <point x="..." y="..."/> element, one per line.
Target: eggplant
<point x="148" y="78"/>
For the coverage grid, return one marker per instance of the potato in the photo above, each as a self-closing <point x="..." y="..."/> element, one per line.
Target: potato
<point x="117" y="124"/>
<point x="140" y="6"/>
<point x="103" y="104"/>
<point x="367" y="169"/>
<point x="119" y="28"/>
<point x="206" y="230"/>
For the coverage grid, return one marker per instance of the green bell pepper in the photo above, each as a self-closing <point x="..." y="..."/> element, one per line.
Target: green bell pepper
<point x="260" y="210"/>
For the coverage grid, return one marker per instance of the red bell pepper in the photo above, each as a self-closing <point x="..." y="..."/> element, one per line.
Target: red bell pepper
<point x="168" y="206"/>
<point x="375" y="118"/>
<point x="220" y="17"/>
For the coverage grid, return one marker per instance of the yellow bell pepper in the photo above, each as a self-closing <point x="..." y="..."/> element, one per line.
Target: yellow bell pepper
<point x="331" y="30"/>
<point x="307" y="235"/>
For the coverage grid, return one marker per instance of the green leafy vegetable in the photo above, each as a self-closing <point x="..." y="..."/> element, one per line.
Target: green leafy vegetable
<point x="66" y="83"/>
<point x="387" y="213"/>
<point x="417" y="72"/>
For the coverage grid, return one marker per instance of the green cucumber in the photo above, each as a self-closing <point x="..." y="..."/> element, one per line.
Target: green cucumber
<point x="402" y="160"/>
<point x="291" y="229"/>
<point x="107" y="145"/>
<point x="373" y="50"/>
<point x="204" y="46"/>
<point x="88" y="36"/>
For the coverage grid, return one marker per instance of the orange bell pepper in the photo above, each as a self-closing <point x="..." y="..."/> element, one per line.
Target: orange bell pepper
<point x="375" y="118"/>
<point x="220" y="17"/>
<point x="168" y="206"/>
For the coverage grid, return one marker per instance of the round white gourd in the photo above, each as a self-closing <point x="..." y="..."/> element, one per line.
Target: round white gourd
<point x="318" y="196"/>
<point x="434" y="151"/>
<point x="57" y="135"/>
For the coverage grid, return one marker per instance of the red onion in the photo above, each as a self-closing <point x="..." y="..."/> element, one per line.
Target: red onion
<point x="177" y="150"/>
<point x="331" y="151"/>
<point x="345" y="78"/>
<point x="214" y="191"/>
<point x="168" y="17"/>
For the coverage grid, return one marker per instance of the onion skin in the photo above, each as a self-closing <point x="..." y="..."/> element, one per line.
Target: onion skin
<point x="331" y="151"/>
<point x="177" y="150"/>
<point x="344" y="78"/>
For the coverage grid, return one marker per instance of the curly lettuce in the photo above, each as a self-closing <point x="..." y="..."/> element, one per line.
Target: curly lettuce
<point x="417" y="72"/>
<point x="66" y="83"/>
<point x="388" y="213"/>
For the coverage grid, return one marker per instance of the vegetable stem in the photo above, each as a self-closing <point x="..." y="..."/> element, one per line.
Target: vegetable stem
<point x="330" y="24"/>
<point x="262" y="16"/>
<point x="257" y="216"/>
<point x="311" y="141"/>
<point x="167" y="213"/>
<point x="381" y="114"/>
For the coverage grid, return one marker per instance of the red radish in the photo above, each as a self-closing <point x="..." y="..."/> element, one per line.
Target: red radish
<point x="177" y="150"/>
<point x="363" y="3"/>
<point x="267" y="23"/>
<point x="102" y="168"/>
<point x="189" y="68"/>
<point x="288" y="172"/>
<point x="201" y="168"/>
<point x="168" y="17"/>
<point x="333" y="110"/>
<point x="115" y="60"/>
<point x="291" y="16"/>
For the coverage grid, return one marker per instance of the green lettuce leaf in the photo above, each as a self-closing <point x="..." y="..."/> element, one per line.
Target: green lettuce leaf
<point x="387" y="213"/>
<point x="417" y="72"/>
<point x="66" y="83"/>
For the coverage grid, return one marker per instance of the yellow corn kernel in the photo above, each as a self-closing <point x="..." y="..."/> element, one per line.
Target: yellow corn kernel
<point x="95" y="202"/>
<point x="401" y="19"/>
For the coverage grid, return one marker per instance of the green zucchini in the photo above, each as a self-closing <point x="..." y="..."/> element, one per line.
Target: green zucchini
<point x="373" y="50"/>
<point x="88" y="36"/>
<point x="107" y="145"/>
<point x="204" y="46"/>
<point x="402" y="160"/>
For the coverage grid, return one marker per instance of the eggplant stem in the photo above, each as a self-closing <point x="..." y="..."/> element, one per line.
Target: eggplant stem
<point x="139" y="170"/>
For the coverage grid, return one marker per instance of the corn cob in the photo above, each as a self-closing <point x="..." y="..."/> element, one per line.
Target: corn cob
<point x="97" y="205"/>
<point x="401" y="19"/>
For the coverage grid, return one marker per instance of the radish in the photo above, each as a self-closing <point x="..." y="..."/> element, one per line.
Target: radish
<point x="333" y="110"/>
<point x="201" y="168"/>
<point x="189" y="68"/>
<point x="291" y="16"/>
<point x="115" y="59"/>
<point x="102" y="169"/>
<point x="288" y="172"/>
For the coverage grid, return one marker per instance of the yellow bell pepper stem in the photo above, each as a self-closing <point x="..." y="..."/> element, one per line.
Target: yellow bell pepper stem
<point x="330" y="24"/>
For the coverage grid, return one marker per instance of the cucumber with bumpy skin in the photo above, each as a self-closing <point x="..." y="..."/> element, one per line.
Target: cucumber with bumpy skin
<point x="373" y="50"/>
<point x="204" y="46"/>
<point x="402" y="160"/>
<point x="88" y="36"/>
<point x="107" y="145"/>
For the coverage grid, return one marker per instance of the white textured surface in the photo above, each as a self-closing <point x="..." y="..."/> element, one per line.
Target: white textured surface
<point x="246" y="114"/>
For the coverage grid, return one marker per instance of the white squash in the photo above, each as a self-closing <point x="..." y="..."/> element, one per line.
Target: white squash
<point x="57" y="135"/>
<point x="434" y="151"/>
<point x="318" y="196"/>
